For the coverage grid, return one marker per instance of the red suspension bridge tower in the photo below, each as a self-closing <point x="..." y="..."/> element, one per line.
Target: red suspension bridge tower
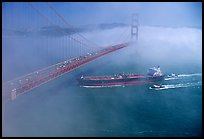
<point x="134" y="27"/>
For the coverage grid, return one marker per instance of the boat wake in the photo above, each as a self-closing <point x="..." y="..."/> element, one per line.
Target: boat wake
<point x="180" y="76"/>
<point x="173" y="86"/>
<point x="171" y="78"/>
<point x="103" y="86"/>
<point x="190" y="75"/>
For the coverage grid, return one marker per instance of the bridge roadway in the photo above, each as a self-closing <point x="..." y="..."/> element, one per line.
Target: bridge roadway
<point x="21" y="85"/>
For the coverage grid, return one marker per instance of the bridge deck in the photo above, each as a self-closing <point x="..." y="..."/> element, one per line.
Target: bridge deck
<point x="21" y="85"/>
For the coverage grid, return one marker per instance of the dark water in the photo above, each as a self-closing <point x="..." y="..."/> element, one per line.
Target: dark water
<point x="62" y="108"/>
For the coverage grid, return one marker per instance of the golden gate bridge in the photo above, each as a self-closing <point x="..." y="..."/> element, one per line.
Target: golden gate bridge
<point x="18" y="86"/>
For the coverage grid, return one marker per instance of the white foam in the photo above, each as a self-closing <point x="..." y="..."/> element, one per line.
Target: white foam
<point x="189" y="75"/>
<point x="178" y="86"/>
<point x="173" y="78"/>
<point x="102" y="86"/>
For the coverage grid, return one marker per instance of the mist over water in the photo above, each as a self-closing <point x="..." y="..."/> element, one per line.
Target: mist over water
<point x="62" y="108"/>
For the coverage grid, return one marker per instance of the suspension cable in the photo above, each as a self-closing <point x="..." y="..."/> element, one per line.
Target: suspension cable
<point x="63" y="19"/>
<point x="52" y="22"/>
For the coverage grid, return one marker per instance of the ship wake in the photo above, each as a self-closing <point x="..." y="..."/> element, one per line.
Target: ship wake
<point x="181" y="76"/>
<point x="103" y="86"/>
<point x="182" y="85"/>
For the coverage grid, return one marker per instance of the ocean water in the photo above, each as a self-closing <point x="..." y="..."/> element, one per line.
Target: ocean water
<point x="62" y="108"/>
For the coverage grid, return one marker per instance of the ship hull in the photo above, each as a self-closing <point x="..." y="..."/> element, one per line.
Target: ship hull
<point x="114" y="82"/>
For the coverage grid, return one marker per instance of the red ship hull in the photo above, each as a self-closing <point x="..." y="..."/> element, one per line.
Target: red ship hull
<point x="118" y="80"/>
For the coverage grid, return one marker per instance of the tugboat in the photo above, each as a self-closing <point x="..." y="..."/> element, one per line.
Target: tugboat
<point x="172" y="75"/>
<point x="153" y="75"/>
<point x="157" y="86"/>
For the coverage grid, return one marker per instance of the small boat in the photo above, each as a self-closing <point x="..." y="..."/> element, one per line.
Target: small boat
<point x="172" y="75"/>
<point x="157" y="86"/>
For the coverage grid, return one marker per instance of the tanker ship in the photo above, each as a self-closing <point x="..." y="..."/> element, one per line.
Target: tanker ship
<point x="153" y="75"/>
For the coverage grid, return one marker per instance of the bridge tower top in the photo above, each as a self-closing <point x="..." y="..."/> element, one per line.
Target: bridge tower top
<point x="134" y="27"/>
